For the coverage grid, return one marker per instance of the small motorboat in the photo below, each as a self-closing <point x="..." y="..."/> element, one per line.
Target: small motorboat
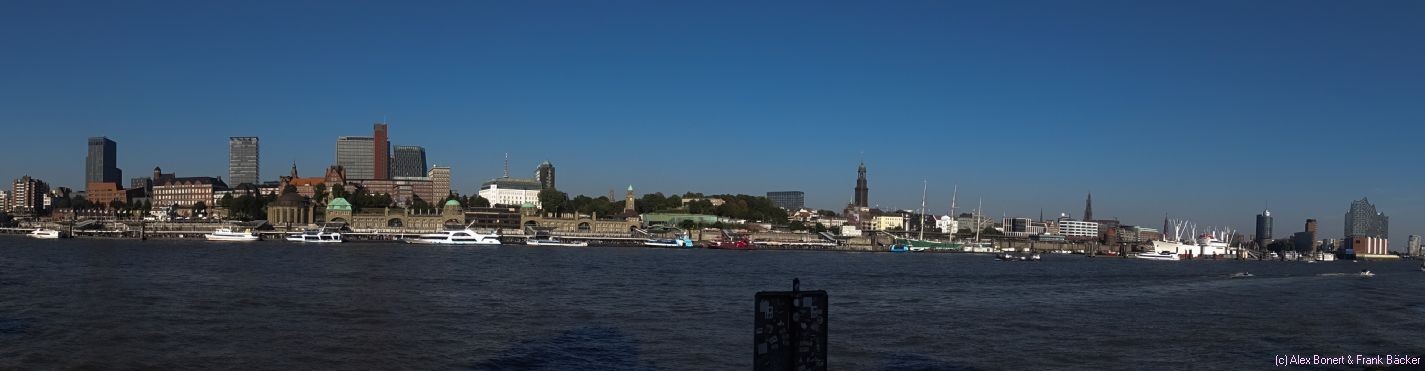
<point x="1366" y="273"/>
<point x="551" y="241"/>
<point x="1018" y="258"/>
<point x="900" y="248"/>
<point x="46" y="234"/>
<point x="1242" y="275"/>
<point x="681" y="241"/>
<point x="1161" y="255"/>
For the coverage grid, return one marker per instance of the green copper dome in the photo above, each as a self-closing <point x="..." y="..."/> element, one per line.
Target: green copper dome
<point x="339" y="204"/>
<point x="452" y="202"/>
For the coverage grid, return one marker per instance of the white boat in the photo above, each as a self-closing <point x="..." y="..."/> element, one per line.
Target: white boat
<point x="1242" y="275"/>
<point x="681" y="241"/>
<point x="1161" y="255"/>
<point x="551" y="241"/>
<point x="315" y="236"/>
<point x="460" y="237"/>
<point x="225" y="234"/>
<point x="1367" y="274"/>
<point x="45" y="234"/>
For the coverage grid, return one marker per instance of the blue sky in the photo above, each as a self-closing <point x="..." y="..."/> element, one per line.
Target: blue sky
<point x="1204" y="110"/>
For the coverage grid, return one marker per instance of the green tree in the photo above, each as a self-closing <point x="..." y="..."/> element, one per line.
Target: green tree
<point x="687" y="224"/>
<point x="199" y="207"/>
<point x="340" y="191"/>
<point x="116" y="204"/>
<point x="819" y="228"/>
<point x="419" y="204"/>
<point x="477" y="201"/>
<point x="226" y="202"/>
<point x="797" y="226"/>
<point x="553" y="200"/>
<point x="319" y="193"/>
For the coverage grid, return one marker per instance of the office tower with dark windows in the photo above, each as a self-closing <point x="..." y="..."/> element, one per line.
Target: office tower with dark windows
<point x="1264" y="228"/>
<point x="101" y="165"/>
<point x="790" y="200"/>
<point x="354" y="155"/>
<point x="242" y="160"/>
<point x="409" y="162"/>
<point x="381" y="152"/>
<point x="544" y="174"/>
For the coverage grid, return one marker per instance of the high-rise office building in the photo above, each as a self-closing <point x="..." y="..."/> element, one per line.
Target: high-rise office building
<point x="242" y="160"/>
<point x="1412" y="245"/>
<point x="790" y="200"/>
<point x="1264" y="228"/>
<point x="27" y="196"/>
<point x="409" y="162"/>
<point x="354" y="155"/>
<point x="101" y="165"/>
<point x="381" y="152"/>
<point x="544" y="174"/>
<point x="440" y="181"/>
<point x="1364" y="220"/>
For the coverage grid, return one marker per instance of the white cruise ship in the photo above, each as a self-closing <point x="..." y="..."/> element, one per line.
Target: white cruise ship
<point x="460" y="237"/>
<point x="226" y="234"/>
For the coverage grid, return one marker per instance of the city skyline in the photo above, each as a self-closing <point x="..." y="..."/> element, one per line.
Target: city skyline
<point x="1165" y="126"/>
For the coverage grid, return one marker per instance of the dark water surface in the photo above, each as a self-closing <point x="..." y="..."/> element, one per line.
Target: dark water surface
<point x="110" y="304"/>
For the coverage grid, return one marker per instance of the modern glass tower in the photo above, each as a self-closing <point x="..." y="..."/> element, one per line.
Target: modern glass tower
<point x="101" y="165"/>
<point x="544" y="174"/>
<point x="242" y="160"/>
<point x="410" y="162"/>
<point x="354" y="154"/>
<point x="790" y="200"/>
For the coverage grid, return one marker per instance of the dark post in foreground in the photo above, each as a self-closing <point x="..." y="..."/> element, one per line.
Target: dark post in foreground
<point x="790" y="330"/>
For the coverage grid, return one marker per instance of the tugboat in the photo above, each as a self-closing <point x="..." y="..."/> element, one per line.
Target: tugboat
<point x="738" y="244"/>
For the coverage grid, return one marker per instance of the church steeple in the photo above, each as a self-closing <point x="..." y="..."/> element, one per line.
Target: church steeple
<point x="862" y="192"/>
<point x="1088" y="208"/>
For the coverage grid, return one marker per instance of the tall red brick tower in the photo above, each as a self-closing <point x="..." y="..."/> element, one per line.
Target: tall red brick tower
<point x="382" y="145"/>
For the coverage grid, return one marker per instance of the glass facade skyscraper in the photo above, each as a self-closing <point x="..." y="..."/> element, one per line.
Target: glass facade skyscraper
<point x="409" y="162"/>
<point x="101" y="165"/>
<point x="790" y="200"/>
<point x="355" y="155"/>
<point x="242" y="160"/>
<point x="1364" y="220"/>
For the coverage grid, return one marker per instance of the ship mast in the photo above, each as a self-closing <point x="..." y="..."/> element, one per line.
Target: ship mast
<point x="978" y="209"/>
<point x="953" y="195"/>
<point x="923" y="186"/>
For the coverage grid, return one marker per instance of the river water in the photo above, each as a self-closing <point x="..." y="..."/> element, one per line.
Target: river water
<point x="123" y="304"/>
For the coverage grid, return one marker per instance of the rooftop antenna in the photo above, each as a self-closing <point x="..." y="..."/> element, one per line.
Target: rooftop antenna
<point x="507" y="164"/>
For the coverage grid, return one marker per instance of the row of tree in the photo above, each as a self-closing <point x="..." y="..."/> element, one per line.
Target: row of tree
<point x="754" y="208"/>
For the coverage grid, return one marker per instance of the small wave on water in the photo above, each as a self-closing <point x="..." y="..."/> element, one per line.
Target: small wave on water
<point x="588" y="348"/>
